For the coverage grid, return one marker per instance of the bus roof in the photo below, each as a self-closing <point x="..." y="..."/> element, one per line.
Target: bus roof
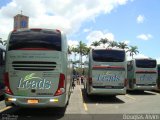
<point x="36" y="29"/>
<point x="107" y="49"/>
<point x="142" y="59"/>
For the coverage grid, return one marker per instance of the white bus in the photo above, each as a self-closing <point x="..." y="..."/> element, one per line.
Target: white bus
<point x="142" y="74"/>
<point x="37" y="72"/>
<point x="107" y="72"/>
<point x="158" y="80"/>
<point x="2" y="62"/>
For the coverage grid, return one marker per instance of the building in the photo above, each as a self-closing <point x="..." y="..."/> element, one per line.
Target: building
<point x="21" y="21"/>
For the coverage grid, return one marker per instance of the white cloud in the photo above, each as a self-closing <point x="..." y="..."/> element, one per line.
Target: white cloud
<point x="140" y="19"/>
<point x="158" y="60"/>
<point x="87" y="30"/>
<point x="72" y="43"/>
<point x="67" y="15"/>
<point x="97" y="35"/>
<point x="144" y="36"/>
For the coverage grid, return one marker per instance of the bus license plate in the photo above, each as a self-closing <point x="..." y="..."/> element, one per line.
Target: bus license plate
<point x="32" y="101"/>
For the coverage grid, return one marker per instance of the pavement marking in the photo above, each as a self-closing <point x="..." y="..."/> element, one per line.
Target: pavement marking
<point x="6" y="108"/>
<point x="128" y="96"/>
<point x="152" y="92"/>
<point x="84" y="104"/>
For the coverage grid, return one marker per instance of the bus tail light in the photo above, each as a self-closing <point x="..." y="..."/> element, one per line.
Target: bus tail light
<point x="6" y="82"/>
<point x="61" y="86"/>
<point x="58" y="30"/>
<point x="90" y="80"/>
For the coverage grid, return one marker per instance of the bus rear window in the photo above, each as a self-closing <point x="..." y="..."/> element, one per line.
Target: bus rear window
<point x="108" y="55"/>
<point x="146" y="63"/>
<point x="50" y="40"/>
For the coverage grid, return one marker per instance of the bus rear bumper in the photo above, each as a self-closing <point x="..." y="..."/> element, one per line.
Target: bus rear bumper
<point x="138" y="87"/>
<point x="22" y="101"/>
<point x="103" y="91"/>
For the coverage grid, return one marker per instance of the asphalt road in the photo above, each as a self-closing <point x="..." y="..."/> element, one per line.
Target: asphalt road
<point x="97" y="107"/>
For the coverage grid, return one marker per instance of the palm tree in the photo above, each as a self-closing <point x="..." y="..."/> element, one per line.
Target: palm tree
<point x="133" y="50"/>
<point x="1" y="41"/>
<point x="104" y="41"/>
<point x="122" y="45"/>
<point x="81" y="48"/>
<point x="69" y="49"/>
<point x="86" y="50"/>
<point x="113" y="44"/>
<point x="95" y="44"/>
<point x="75" y="51"/>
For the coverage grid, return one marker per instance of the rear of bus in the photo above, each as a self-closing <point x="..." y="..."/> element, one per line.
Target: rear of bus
<point x="145" y="74"/>
<point x="158" y="80"/>
<point x="107" y="72"/>
<point x="36" y="68"/>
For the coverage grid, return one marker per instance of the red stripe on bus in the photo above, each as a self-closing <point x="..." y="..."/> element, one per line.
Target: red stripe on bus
<point x="114" y="67"/>
<point x="143" y="71"/>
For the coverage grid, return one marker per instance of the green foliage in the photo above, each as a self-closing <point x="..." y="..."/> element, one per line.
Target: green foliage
<point x="133" y="50"/>
<point x="95" y="44"/>
<point x="104" y="41"/>
<point x="122" y="45"/>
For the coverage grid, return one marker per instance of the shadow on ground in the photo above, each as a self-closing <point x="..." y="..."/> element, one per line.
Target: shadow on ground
<point x="101" y="99"/>
<point x="138" y="92"/>
<point x="1" y="97"/>
<point x="34" y="113"/>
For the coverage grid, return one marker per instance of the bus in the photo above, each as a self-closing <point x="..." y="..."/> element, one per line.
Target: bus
<point x="158" y="80"/>
<point x="37" y="71"/>
<point x="2" y="61"/>
<point x="142" y="74"/>
<point x="107" y="72"/>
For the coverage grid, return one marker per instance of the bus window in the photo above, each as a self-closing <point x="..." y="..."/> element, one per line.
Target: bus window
<point x="108" y="56"/>
<point x="146" y="63"/>
<point x="35" y="39"/>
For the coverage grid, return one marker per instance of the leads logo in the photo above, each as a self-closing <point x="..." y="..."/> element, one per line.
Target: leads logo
<point x="146" y="77"/>
<point x="108" y="77"/>
<point x="32" y="82"/>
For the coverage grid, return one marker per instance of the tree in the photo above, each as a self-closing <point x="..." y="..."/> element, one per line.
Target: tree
<point x="69" y="49"/>
<point x="1" y="41"/>
<point x="81" y="49"/>
<point x="133" y="50"/>
<point x="86" y="50"/>
<point x="95" y="43"/>
<point x="75" y="51"/>
<point x="104" y="41"/>
<point x="113" y="44"/>
<point x="122" y="45"/>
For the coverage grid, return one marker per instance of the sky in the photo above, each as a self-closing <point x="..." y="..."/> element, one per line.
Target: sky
<point x="135" y="22"/>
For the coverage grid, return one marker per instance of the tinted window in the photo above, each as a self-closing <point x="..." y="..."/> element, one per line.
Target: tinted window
<point x="35" y="39"/>
<point x="108" y="55"/>
<point x="146" y="63"/>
